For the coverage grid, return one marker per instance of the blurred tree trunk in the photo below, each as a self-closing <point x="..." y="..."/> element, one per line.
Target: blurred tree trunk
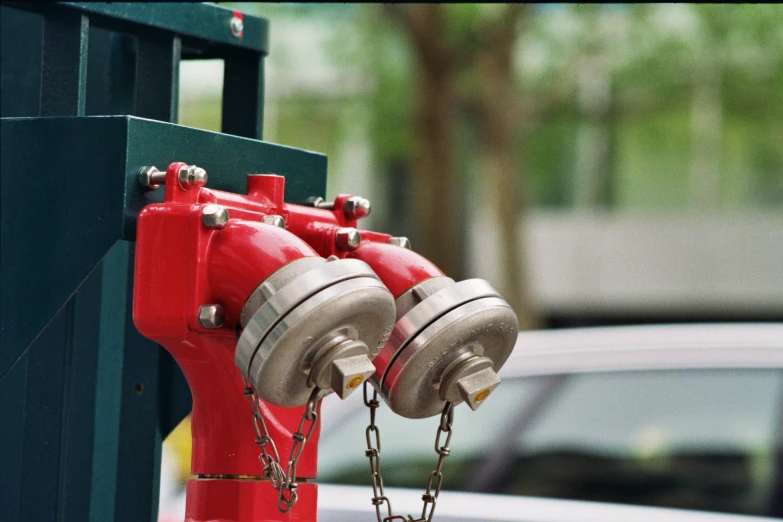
<point x="498" y="113"/>
<point x="435" y="193"/>
<point x="486" y="54"/>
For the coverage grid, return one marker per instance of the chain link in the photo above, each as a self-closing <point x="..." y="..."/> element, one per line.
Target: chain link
<point x="373" y="453"/>
<point x="283" y="481"/>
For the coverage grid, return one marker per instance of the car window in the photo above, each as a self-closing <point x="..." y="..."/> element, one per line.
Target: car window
<point x="409" y="443"/>
<point x="698" y="439"/>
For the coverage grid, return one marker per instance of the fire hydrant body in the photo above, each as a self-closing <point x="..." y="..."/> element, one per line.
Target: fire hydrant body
<point x="278" y="305"/>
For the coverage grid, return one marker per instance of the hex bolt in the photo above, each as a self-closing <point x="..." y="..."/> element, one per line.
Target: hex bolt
<point x="319" y="202"/>
<point x="277" y="221"/>
<point x="214" y="216"/>
<point x="211" y="316"/>
<point x="237" y="27"/>
<point x="151" y="177"/>
<point x="347" y="239"/>
<point x="400" y="242"/>
<point x="356" y="207"/>
<point x="191" y="176"/>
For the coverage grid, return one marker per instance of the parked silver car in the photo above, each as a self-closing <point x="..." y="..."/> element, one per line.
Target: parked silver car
<point x="674" y="416"/>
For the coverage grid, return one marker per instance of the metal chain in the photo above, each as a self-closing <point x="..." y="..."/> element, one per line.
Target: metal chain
<point x="283" y="481"/>
<point x="374" y="454"/>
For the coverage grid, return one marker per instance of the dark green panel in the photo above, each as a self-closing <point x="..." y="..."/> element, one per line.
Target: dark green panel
<point x="64" y="65"/>
<point x="79" y="395"/>
<point x="157" y="77"/>
<point x="138" y="460"/>
<point x="21" y="46"/>
<point x="13" y="391"/>
<point x="243" y="95"/>
<point x="175" y="400"/>
<point x="61" y="201"/>
<point x="43" y="422"/>
<point x="110" y="73"/>
<point x="202" y="22"/>
<point x="113" y="312"/>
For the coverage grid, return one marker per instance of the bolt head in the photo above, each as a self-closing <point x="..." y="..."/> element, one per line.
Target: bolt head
<point x="191" y="176"/>
<point x="211" y="316"/>
<point x="277" y="221"/>
<point x="146" y="177"/>
<point x="356" y="207"/>
<point x="403" y="242"/>
<point x="347" y="239"/>
<point x="214" y="216"/>
<point x="237" y="27"/>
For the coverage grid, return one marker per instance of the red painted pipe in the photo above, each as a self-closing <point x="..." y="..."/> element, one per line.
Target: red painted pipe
<point x="398" y="268"/>
<point x="243" y="255"/>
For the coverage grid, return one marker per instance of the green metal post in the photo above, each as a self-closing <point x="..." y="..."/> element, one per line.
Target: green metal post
<point x="86" y="401"/>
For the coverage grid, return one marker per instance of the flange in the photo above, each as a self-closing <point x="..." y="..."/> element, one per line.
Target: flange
<point x="320" y="328"/>
<point x="446" y="347"/>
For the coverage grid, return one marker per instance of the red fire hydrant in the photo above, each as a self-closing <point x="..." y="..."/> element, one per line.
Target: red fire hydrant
<point x="268" y="306"/>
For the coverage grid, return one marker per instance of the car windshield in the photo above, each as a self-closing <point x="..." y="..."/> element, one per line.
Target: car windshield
<point x="696" y="439"/>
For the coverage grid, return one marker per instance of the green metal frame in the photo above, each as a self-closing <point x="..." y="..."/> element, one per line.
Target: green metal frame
<point x="86" y="401"/>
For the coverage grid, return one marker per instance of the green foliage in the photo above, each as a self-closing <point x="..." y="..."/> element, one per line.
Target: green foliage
<point x="388" y="59"/>
<point x="655" y="55"/>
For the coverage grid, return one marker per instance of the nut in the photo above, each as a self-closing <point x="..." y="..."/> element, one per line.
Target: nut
<point x="277" y="221"/>
<point x="347" y="239"/>
<point x="214" y="216"/>
<point x="400" y="242"/>
<point x="211" y="316"/>
<point x="356" y="207"/>
<point x="191" y="176"/>
<point x="237" y="27"/>
<point x="151" y="177"/>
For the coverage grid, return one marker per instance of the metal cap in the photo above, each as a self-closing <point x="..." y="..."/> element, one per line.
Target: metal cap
<point x="448" y="347"/>
<point x="320" y="328"/>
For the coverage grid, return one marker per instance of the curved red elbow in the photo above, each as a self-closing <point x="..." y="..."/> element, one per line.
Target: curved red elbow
<point x="398" y="268"/>
<point x="243" y="255"/>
